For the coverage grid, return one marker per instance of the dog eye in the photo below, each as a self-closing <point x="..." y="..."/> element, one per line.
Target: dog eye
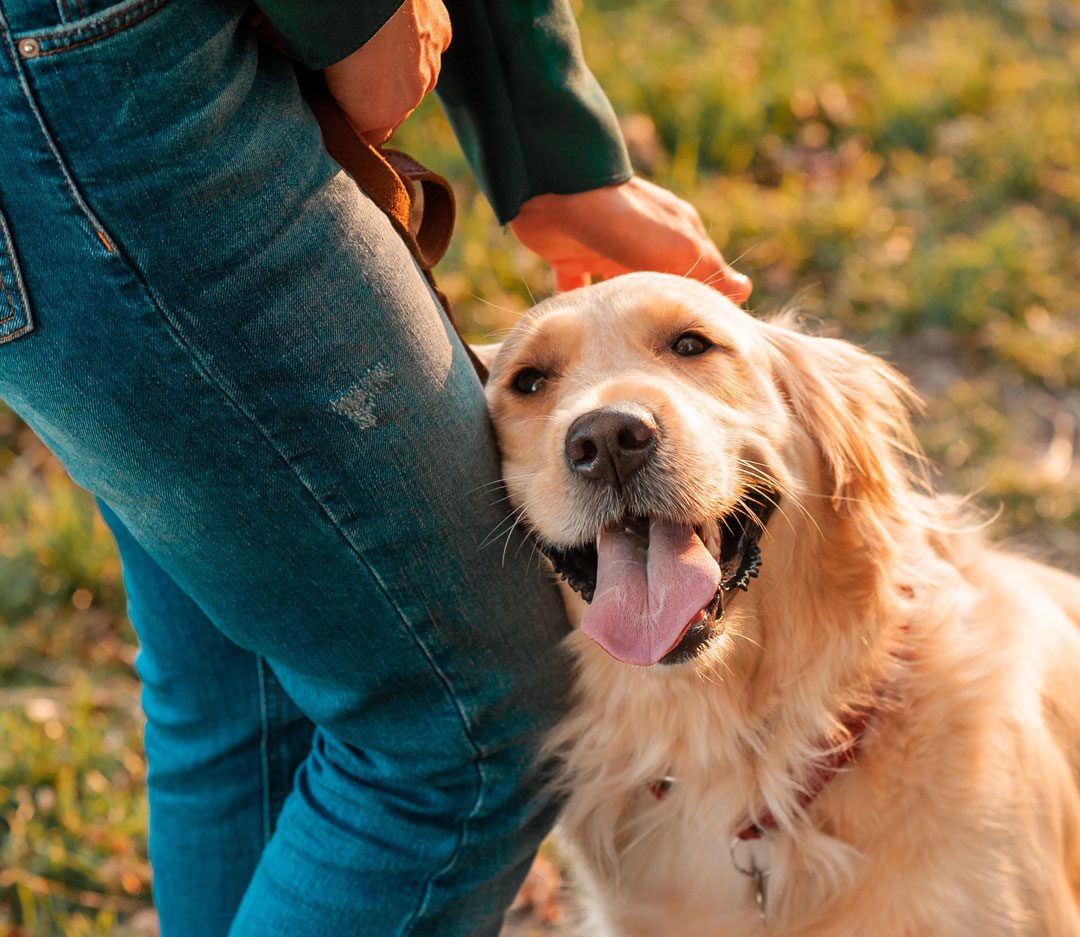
<point x="689" y="344"/>
<point x="529" y="381"/>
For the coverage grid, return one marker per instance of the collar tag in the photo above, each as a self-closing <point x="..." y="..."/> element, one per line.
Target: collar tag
<point x="750" y="858"/>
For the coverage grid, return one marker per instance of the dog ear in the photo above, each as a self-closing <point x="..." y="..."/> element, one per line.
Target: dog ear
<point x="485" y="354"/>
<point x="855" y="407"/>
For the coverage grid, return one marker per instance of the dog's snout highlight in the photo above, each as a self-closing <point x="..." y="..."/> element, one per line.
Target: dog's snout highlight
<point x="611" y="444"/>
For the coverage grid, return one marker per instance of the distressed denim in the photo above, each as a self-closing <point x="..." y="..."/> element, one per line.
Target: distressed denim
<point x="226" y="343"/>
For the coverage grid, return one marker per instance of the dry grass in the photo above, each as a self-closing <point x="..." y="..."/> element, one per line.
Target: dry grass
<point x="907" y="173"/>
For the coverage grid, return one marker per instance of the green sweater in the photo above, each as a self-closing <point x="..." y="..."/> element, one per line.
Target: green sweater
<point x="529" y="114"/>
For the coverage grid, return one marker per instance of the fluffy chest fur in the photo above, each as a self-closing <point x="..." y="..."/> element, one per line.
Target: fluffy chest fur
<point x="958" y="817"/>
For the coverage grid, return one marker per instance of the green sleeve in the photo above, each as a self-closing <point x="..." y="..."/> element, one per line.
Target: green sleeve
<point x="322" y="32"/>
<point x="529" y="114"/>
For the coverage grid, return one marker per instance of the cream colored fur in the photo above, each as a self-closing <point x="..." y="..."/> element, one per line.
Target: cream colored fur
<point x="961" y="815"/>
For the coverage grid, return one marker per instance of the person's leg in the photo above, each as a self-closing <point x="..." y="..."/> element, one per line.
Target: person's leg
<point x="223" y="742"/>
<point x="248" y="368"/>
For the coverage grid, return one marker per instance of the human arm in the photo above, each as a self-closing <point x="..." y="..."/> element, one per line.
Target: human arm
<point x="545" y="143"/>
<point x="533" y="122"/>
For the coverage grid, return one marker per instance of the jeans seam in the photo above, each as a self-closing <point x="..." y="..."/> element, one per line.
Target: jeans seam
<point x="429" y="886"/>
<point x="144" y="12"/>
<point x="13" y="312"/>
<point x="87" y="30"/>
<point x="204" y="368"/>
<point x="279" y="780"/>
<point x="264" y="756"/>
<point x="10" y="304"/>
<point x="15" y="297"/>
<point x="28" y="93"/>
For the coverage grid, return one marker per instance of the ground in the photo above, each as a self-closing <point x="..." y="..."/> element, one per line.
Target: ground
<point x="906" y="174"/>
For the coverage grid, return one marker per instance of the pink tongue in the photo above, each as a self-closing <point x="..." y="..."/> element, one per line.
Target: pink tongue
<point x="645" y="597"/>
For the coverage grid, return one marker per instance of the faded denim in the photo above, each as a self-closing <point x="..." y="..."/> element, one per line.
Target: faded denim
<point x="226" y="343"/>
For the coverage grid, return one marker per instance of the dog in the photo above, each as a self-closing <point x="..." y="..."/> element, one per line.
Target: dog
<point x="810" y="699"/>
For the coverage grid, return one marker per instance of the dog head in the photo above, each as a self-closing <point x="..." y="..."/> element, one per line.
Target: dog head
<point x="648" y="429"/>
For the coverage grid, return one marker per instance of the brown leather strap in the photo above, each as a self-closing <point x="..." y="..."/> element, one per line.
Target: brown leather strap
<point x="390" y="179"/>
<point x="437" y="211"/>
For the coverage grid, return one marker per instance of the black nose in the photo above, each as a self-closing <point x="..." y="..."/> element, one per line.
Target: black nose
<point x="611" y="444"/>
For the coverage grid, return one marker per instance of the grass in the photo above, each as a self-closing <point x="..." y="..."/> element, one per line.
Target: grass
<point x="906" y="173"/>
<point x="72" y="810"/>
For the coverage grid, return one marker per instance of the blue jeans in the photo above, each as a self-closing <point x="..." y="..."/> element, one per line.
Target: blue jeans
<point x="226" y="343"/>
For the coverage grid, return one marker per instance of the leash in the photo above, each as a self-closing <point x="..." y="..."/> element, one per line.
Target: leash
<point x="388" y="177"/>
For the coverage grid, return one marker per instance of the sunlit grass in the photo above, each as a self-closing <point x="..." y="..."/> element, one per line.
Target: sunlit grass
<point x="907" y="174"/>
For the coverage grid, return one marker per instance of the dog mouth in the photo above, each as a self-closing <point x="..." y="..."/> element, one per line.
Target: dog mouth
<point x="657" y="589"/>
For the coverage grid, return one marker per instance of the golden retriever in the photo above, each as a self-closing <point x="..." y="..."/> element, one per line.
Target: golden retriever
<point x="880" y="736"/>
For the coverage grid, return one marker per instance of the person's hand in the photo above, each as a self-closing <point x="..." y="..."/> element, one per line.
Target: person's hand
<point x="384" y="81"/>
<point x="620" y="228"/>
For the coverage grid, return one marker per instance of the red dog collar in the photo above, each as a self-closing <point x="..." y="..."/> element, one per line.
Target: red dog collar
<point x="843" y="753"/>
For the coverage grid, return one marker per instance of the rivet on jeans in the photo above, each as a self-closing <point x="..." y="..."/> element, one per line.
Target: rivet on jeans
<point x="28" y="48"/>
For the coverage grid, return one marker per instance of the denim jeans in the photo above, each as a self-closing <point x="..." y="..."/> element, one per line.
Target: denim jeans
<point x="345" y="679"/>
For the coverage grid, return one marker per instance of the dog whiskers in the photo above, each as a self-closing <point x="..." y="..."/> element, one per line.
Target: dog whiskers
<point x="513" y="517"/>
<point x="705" y="675"/>
<point x="693" y="266"/>
<point x="753" y="247"/>
<point x="721" y="274"/>
<point x="509" y="535"/>
<point x="499" y="481"/>
<point x="786" y="495"/>
<point x="524" y="282"/>
<point x="488" y="302"/>
<point x="536" y="554"/>
<point x="735" y="633"/>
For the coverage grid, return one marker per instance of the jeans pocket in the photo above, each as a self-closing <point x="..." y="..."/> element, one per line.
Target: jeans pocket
<point x="15" y="318"/>
<point x="87" y="28"/>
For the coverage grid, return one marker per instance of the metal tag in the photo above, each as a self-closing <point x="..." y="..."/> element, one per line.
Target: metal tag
<point x="749" y="858"/>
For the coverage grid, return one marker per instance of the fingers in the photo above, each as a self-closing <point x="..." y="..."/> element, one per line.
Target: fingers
<point x="380" y="136"/>
<point x="641" y="226"/>
<point x="634" y="225"/>
<point x="566" y="280"/>
<point x="711" y="268"/>
<point x="736" y="286"/>
<point x="680" y="244"/>
<point x="671" y="247"/>
<point x="383" y="82"/>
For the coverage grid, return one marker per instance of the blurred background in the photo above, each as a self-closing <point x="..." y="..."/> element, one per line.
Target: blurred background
<point x="906" y="174"/>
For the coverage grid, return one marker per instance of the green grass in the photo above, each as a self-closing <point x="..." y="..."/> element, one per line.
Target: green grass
<point x="72" y="810"/>
<point x="907" y="174"/>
